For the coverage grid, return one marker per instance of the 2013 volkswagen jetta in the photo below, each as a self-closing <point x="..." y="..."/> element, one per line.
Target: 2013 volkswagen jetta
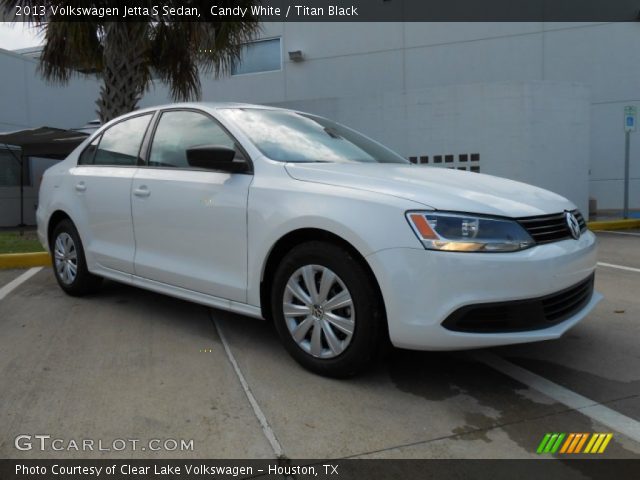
<point x="283" y="215"/>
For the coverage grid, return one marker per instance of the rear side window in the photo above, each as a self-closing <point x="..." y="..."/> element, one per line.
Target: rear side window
<point x="180" y="130"/>
<point x="120" y="144"/>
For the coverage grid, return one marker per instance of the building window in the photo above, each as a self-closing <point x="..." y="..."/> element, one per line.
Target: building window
<point x="259" y="56"/>
<point x="460" y="161"/>
<point x="10" y="169"/>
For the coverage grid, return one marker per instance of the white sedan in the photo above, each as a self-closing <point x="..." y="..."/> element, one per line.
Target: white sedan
<point x="341" y="242"/>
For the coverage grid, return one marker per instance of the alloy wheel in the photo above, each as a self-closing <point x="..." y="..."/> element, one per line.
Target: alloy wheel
<point x="66" y="258"/>
<point x="318" y="311"/>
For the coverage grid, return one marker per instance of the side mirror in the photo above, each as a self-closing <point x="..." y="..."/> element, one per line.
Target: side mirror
<point x="215" y="157"/>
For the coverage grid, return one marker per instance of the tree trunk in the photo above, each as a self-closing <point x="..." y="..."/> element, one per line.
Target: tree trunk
<point x="124" y="76"/>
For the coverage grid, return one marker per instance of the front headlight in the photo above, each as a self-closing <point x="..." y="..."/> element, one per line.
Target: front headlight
<point x="459" y="232"/>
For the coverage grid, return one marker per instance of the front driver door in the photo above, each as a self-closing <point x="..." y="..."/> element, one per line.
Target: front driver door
<point x="191" y="224"/>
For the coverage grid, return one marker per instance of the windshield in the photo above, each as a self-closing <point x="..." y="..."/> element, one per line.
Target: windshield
<point x="298" y="137"/>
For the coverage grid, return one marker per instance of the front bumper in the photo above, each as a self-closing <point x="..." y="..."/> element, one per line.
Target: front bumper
<point x="422" y="288"/>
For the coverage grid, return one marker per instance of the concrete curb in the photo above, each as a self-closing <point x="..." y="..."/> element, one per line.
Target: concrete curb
<point x="614" y="224"/>
<point x="25" y="260"/>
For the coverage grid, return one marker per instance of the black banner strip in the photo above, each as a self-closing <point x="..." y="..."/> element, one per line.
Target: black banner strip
<point x="548" y="468"/>
<point x="329" y="11"/>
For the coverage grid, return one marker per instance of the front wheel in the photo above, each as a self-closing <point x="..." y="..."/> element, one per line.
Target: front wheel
<point x="69" y="263"/>
<point x="327" y="310"/>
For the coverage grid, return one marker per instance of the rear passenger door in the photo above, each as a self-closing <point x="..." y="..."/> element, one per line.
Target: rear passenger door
<point x="191" y="224"/>
<point x="102" y="185"/>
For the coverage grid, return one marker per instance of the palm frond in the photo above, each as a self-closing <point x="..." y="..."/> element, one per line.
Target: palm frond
<point x="70" y="47"/>
<point x="176" y="52"/>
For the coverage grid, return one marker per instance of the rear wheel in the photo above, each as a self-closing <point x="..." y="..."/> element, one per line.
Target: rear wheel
<point x="69" y="263"/>
<point x="327" y="310"/>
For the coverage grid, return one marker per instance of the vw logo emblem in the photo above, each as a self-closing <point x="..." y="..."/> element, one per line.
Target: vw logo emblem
<point x="572" y="223"/>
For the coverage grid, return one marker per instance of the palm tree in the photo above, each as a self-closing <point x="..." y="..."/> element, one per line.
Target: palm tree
<point x="127" y="55"/>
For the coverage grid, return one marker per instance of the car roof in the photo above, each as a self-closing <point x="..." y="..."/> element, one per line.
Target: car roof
<point x="201" y="105"/>
<point x="209" y="105"/>
<point x="235" y="105"/>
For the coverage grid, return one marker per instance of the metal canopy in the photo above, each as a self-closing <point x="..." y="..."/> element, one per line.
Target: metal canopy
<point x="45" y="142"/>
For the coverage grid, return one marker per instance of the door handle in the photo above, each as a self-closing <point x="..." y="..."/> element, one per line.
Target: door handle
<point x="143" y="191"/>
<point x="81" y="187"/>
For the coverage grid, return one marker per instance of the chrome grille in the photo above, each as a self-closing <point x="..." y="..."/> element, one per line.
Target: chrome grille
<point x="550" y="228"/>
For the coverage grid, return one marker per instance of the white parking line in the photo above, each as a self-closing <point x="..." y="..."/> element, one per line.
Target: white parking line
<point x="619" y="267"/>
<point x="606" y="416"/>
<point x="15" y="283"/>
<point x="631" y="234"/>
<point x="266" y="428"/>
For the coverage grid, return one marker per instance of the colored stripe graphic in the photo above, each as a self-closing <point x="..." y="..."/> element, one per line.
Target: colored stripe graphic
<point x="568" y="442"/>
<point x="599" y="442"/>
<point x="605" y="443"/>
<point x="550" y="443"/>
<point x="558" y="443"/>
<point x="573" y="443"/>
<point x="594" y="437"/>
<point x="543" y="443"/>
<point x="581" y="443"/>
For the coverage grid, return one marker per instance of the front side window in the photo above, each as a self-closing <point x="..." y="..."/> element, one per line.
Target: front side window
<point x="178" y="131"/>
<point x="120" y="144"/>
<point x="296" y="137"/>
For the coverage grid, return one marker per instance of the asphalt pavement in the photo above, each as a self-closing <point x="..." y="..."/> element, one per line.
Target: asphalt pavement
<point x="135" y="368"/>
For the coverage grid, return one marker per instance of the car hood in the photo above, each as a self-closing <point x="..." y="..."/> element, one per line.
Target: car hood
<point x="437" y="188"/>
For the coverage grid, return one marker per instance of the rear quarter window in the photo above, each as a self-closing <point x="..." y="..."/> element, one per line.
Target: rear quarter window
<point x="120" y="144"/>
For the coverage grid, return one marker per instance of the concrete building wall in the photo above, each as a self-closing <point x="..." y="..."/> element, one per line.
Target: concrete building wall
<point x="27" y="101"/>
<point x="535" y="132"/>
<point x="343" y="60"/>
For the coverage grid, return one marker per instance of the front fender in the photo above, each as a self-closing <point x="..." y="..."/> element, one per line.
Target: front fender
<point x="368" y="221"/>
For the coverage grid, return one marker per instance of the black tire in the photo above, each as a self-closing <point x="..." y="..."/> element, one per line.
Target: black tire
<point x="83" y="282"/>
<point x="369" y="322"/>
